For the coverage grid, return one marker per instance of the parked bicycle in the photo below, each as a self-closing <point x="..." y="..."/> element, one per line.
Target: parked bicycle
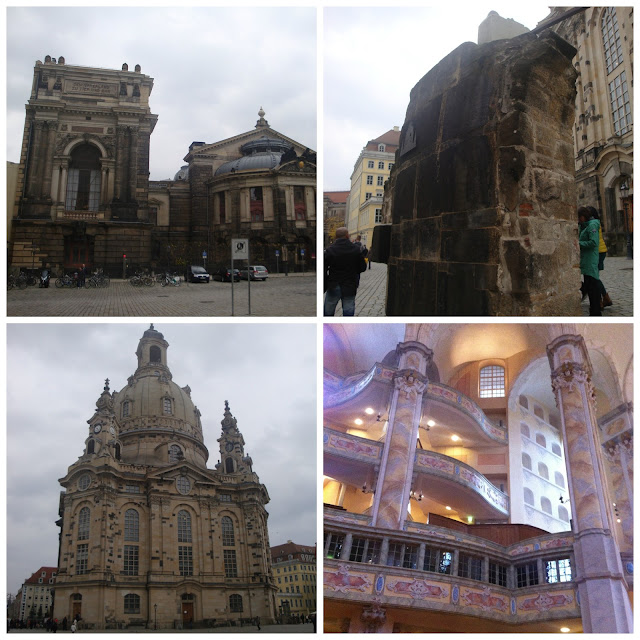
<point x="16" y="282"/>
<point x="98" y="279"/>
<point x="66" y="280"/>
<point x="167" y="278"/>
<point x="139" y="279"/>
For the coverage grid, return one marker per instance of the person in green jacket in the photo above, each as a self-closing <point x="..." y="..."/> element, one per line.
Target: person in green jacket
<point x="602" y="254"/>
<point x="589" y="240"/>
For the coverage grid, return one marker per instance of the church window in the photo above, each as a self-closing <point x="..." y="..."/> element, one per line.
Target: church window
<point x="563" y="514"/>
<point x="175" y="453"/>
<point x="84" y="523"/>
<point x="235" y="603"/>
<point x="82" y="557"/>
<point x="559" y="478"/>
<point x="492" y="382"/>
<point x="526" y="461"/>
<point x="132" y="488"/>
<point x="611" y="39"/>
<point x="256" y="204"/>
<point x="83" y="179"/>
<point x="541" y="440"/>
<point x="228" y="465"/>
<point x="131" y="525"/>
<point x="524" y="429"/>
<point x="131" y="563"/>
<point x="185" y="560"/>
<point x="230" y="563"/>
<point x="524" y="402"/>
<point x="222" y="208"/>
<point x="132" y="603"/>
<point x="166" y="406"/>
<point x="184" y="526"/>
<point x="620" y="105"/>
<point x="126" y="408"/>
<point x="545" y="504"/>
<point x="497" y="574"/>
<point x="558" y="570"/>
<point x="555" y="448"/>
<point x="225" y="497"/>
<point x="402" y="555"/>
<point x="84" y="482"/>
<point x="117" y="451"/>
<point x="365" y="550"/>
<point x="470" y="566"/>
<point x="543" y="471"/>
<point x="528" y="496"/>
<point x="155" y="355"/>
<point x="527" y="574"/>
<point x="91" y="446"/>
<point x="228" y="538"/>
<point x="538" y="411"/>
<point x="183" y="484"/>
<point x="333" y="545"/>
<point x="437" y="560"/>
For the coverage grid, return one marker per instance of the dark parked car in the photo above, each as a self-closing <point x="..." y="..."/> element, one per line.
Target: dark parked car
<point x="224" y="274"/>
<point x="257" y="272"/>
<point x="196" y="273"/>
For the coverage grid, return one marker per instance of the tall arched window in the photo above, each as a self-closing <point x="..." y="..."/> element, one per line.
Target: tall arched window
<point x="132" y="603"/>
<point x="155" y="355"/>
<point x="84" y="522"/>
<point x="167" y="407"/>
<point x="559" y="479"/>
<point x="91" y="446"/>
<point x="235" y="603"/>
<point x="175" y="453"/>
<point x="555" y="448"/>
<point x="228" y="538"/>
<point x="228" y="465"/>
<point x="611" y="39"/>
<point x="543" y="470"/>
<point x="563" y="514"/>
<point x="126" y="409"/>
<point x="526" y="461"/>
<point x="492" y="382"/>
<point x="131" y="526"/>
<point x="524" y="429"/>
<point x="545" y="504"/>
<point x="524" y="402"/>
<point x="541" y="440"/>
<point x="528" y="496"/>
<point x="185" y="551"/>
<point x="184" y="526"/>
<point x="83" y="179"/>
<point x="538" y="411"/>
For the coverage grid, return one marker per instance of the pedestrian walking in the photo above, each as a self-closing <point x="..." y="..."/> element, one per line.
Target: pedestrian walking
<point x="343" y="264"/>
<point x="589" y="243"/>
<point x="82" y="274"/>
<point x="602" y="254"/>
<point x="258" y="623"/>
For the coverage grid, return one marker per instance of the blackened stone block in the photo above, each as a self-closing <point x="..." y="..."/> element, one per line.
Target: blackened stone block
<point x="457" y="292"/>
<point x="425" y="292"/>
<point x="403" y="196"/>
<point x="381" y="243"/>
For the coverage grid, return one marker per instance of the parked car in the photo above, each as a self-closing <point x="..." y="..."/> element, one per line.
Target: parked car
<point x="196" y="273"/>
<point x="224" y="274"/>
<point x="257" y="272"/>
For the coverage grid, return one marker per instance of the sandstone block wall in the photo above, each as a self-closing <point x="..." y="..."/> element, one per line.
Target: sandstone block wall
<point x="482" y="195"/>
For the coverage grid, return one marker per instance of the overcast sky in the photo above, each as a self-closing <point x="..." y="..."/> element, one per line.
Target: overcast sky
<point x="213" y="68"/>
<point x="374" y="56"/>
<point x="267" y="372"/>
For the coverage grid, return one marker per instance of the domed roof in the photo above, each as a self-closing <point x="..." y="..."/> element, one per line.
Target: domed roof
<point x="263" y="153"/>
<point x="183" y="174"/>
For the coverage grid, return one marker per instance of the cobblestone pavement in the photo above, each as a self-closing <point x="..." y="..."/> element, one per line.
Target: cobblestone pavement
<point x="617" y="277"/>
<point x="279" y="295"/>
<point x="269" y="628"/>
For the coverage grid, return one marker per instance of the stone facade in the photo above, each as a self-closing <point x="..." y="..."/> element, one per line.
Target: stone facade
<point x="483" y="192"/>
<point x="149" y="536"/>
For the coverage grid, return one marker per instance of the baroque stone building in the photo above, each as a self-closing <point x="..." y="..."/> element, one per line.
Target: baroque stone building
<point x="83" y="193"/>
<point x="149" y="536"/>
<point x="478" y="478"/>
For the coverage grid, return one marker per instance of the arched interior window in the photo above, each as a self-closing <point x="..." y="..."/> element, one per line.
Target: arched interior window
<point x="559" y="479"/>
<point x="555" y="448"/>
<point x="132" y="603"/>
<point x="131" y="526"/>
<point x="492" y="382"/>
<point x="524" y="429"/>
<point x="563" y="514"/>
<point x="228" y="465"/>
<point x="184" y="526"/>
<point x="83" y="179"/>
<point x="524" y="401"/>
<point x="538" y="411"/>
<point x="528" y="496"/>
<point x="155" y="355"/>
<point x="526" y="461"/>
<point x="545" y="504"/>
<point x="235" y="603"/>
<point x="543" y="470"/>
<point x="541" y="440"/>
<point x="91" y="446"/>
<point x="228" y="538"/>
<point x="84" y="522"/>
<point x="175" y="453"/>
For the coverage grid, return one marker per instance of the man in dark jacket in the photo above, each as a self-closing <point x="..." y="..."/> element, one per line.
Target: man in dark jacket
<point x="343" y="264"/>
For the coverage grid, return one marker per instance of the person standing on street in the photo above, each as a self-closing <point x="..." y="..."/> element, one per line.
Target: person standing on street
<point x="602" y="254"/>
<point x="589" y="242"/>
<point x="343" y="263"/>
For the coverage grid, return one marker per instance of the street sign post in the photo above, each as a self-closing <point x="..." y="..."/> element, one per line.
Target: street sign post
<point x="277" y="257"/>
<point x="240" y="251"/>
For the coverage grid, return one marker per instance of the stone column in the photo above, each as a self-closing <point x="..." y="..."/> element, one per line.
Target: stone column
<point x="50" y="141"/>
<point x="35" y="160"/>
<point x="398" y="457"/>
<point x="604" y="600"/>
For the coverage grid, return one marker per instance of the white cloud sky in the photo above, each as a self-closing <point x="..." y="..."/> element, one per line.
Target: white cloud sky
<point x="267" y="372"/>
<point x="213" y="68"/>
<point x="374" y="56"/>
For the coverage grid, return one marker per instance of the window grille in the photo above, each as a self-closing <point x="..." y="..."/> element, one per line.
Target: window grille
<point x="184" y="526"/>
<point x="84" y="523"/>
<point x="82" y="557"/>
<point x="228" y="538"/>
<point x="527" y="574"/>
<point x="132" y="603"/>
<point x="131" y="525"/>
<point x="438" y="561"/>
<point x="469" y="566"/>
<point x="235" y="603"/>
<point x="185" y="560"/>
<point x="230" y="564"/>
<point x="492" y="382"/>
<point x="130" y="560"/>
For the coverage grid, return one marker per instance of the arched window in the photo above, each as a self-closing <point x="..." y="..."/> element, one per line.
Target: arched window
<point x="84" y="520"/>
<point x="528" y="496"/>
<point x="543" y="471"/>
<point x="559" y="479"/>
<point x="538" y="411"/>
<point x="541" y="440"/>
<point x="184" y="526"/>
<point x="611" y="39"/>
<point x="235" y="603"/>
<point x="554" y="420"/>
<point x="526" y="461"/>
<point x="126" y="408"/>
<point x="524" y="401"/>
<point x="131" y="526"/>
<point x="381" y="147"/>
<point x="132" y="603"/>
<point x="91" y="446"/>
<point x="228" y="465"/>
<point x="563" y="513"/>
<point x="228" y="538"/>
<point x="545" y="504"/>
<point x="167" y="406"/>
<point x="555" y="448"/>
<point x="83" y="179"/>
<point x="524" y="430"/>
<point x="492" y="382"/>
<point x="175" y="453"/>
<point x="155" y="355"/>
<point x="256" y="204"/>
<point x="117" y="451"/>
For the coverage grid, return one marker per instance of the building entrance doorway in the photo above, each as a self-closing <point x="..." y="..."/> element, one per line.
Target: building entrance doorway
<point x="76" y="607"/>
<point x="187" y="609"/>
<point x="76" y="253"/>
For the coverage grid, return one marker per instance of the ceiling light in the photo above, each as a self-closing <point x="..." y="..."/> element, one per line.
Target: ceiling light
<point x="358" y="421"/>
<point x="618" y="520"/>
<point x="564" y="629"/>
<point x="470" y="519"/>
<point x="455" y="438"/>
<point x="448" y="508"/>
<point x="431" y="423"/>
<point x="369" y="411"/>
